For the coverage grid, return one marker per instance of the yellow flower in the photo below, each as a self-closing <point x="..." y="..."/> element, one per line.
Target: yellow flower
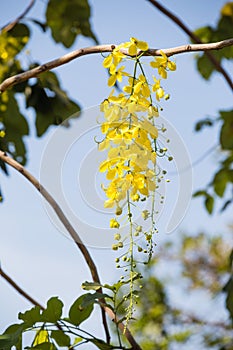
<point x="116" y="75"/>
<point x="114" y="223"/>
<point x="113" y="59"/>
<point x="159" y="92"/>
<point x="163" y="63"/>
<point x="118" y="210"/>
<point x="2" y="133"/>
<point x="145" y="214"/>
<point x="104" y="145"/>
<point x="135" y="197"/>
<point x="152" y="112"/>
<point x="117" y="236"/>
<point x="135" y="45"/>
<point x="108" y="61"/>
<point x="149" y="128"/>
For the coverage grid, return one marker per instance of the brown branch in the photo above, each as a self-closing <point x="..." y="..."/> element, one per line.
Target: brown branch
<point x="19" y="78"/>
<point x="19" y="289"/>
<point x="187" y="317"/>
<point x="11" y="25"/>
<point x="25" y="294"/>
<point x="194" y="37"/>
<point x="91" y="264"/>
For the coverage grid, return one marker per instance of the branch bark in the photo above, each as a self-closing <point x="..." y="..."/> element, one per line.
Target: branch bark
<point x="74" y="235"/>
<point x="19" y="78"/>
<point x="11" y="25"/>
<point x="194" y="37"/>
<point x="19" y="289"/>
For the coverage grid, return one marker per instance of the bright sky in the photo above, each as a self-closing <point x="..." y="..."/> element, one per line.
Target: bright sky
<point x="33" y="251"/>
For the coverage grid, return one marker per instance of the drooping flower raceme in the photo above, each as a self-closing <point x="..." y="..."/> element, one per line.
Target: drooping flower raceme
<point x="131" y="143"/>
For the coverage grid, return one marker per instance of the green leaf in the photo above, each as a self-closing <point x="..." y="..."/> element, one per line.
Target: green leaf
<point x="200" y="193"/>
<point x="41" y="25"/>
<point x="53" y="311"/>
<point x="91" y="285"/>
<point x="226" y="205"/>
<point x="21" y="33"/>
<point x="225" y="26"/>
<point x="203" y="123"/>
<point x="209" y="204"/>
<point x="52" y="105"/>
<point x="12" y="336"/>
<point x="68" y="20"/>
<point x="221" y="179"/>
<point x="101" y="344"/>
<point x="209" y="200"/>
<point x="227" y="9"/>
<point x="204" y="34"/>
<point x="205" y="67"/>
<point x="228" y="289"/>
<point x="15" y="39"/>
<point x="226" y="134"/>
<point x="30" y="317"/>
<point x="77" y="340"/>
<point x="91" y="298"/>
<point x="16" y="127"/>
<point x="231" y="260"/>
<point x="79" y="313"/>
<point x="61" y="338"/>
<point x="222" y="31"/>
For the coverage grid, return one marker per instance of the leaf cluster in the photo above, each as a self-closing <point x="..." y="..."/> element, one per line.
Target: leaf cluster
<point x="44" y="95"/>
<point x="49" y="330"/>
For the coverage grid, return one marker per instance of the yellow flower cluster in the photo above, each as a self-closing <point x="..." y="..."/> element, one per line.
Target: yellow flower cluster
<point x="130" y="140"/>
<point x="129" y="127"/>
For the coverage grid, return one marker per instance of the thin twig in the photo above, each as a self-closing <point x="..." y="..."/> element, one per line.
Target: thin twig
<point x="11" y="25"/>
<point x="19" y="78"/>
<point x="19" y="289"/>
<point x="91" y="264"/>
<point x="194" y="37"/>
<point x="9" y="280"/>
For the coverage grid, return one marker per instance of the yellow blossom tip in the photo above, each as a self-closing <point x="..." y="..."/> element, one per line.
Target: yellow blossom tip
<point x="114" y="223"/>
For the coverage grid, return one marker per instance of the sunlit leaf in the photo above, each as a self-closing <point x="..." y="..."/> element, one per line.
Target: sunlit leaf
<point x="68" y="20"/>
<point x="43" y="346"/>
<point x="42" y="336"/>
<point x="204" y="34"/>
<point x="91" y="285"/>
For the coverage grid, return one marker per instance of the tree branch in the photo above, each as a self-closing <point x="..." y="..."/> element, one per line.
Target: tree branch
<point x="19" y="78"/>
<point x="91" y="264"/>
<point x="11" y="25"/>
<point x="194" y="37"/>
<point x="9" y="280"/>
<point x="19" y="289"/>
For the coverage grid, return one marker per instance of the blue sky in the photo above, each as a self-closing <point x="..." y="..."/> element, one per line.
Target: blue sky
<point x="32" y="250"/>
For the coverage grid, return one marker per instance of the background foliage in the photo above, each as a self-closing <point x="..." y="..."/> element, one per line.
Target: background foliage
<point x="204" y="264"/>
